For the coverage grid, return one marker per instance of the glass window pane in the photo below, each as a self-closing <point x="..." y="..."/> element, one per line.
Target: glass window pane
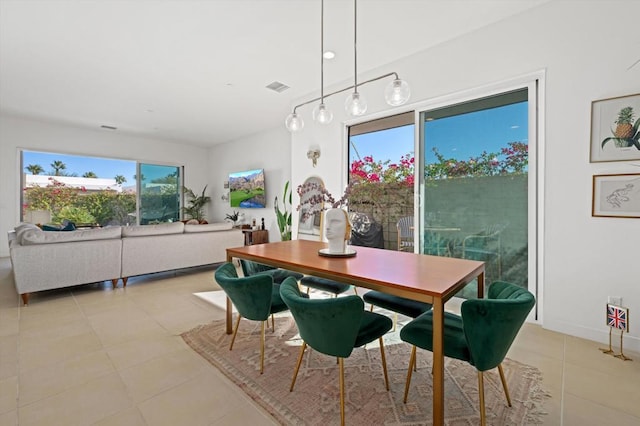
<point x="159" y="193"/>
<point x="475" y="185"/>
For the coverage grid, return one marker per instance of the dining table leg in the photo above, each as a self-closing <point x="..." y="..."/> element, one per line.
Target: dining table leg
<point x="438" y="361"/>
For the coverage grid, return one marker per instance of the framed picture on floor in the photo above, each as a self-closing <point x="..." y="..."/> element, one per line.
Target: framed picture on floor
<point x="615" y="133"/>
<point x="616" y="195"/>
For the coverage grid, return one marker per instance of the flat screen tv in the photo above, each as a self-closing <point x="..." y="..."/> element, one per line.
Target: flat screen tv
<point x="246" y="189"/>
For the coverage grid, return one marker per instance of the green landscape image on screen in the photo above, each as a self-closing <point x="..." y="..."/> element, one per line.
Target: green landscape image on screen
<point x="246" y="189"/>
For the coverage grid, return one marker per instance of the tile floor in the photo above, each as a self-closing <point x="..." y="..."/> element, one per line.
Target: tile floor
<point x="92" y="355"/>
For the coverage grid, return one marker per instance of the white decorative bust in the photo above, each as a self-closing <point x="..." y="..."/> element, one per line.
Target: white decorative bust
<point x="338" y="230"/>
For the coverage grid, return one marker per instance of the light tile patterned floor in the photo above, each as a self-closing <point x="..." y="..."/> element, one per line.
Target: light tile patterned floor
<point x="94" y="355"/>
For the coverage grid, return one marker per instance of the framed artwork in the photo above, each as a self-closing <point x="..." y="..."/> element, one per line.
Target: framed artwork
<point x="615" y="134"/>
<point x="616" y="195"/>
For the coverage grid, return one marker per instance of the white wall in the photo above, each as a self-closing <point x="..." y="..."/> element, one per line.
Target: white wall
<point x="19" y="133"/>
<point x="269" y="151"/>
<point x="585" y="48"/>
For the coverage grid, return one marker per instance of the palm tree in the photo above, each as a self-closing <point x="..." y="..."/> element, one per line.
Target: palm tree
<point x="90" y="175"/>
<point x="34" y="169"/>
<point x="120" y="179"/>
<point x="57" y="167"/>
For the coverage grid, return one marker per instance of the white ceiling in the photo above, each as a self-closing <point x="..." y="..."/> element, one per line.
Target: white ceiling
<point x="196" y="71"/>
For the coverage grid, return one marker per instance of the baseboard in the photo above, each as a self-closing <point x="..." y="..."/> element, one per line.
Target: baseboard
<point x="631" y="343"/>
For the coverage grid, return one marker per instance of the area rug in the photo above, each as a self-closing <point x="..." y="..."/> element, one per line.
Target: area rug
<point x="315" y="399"/>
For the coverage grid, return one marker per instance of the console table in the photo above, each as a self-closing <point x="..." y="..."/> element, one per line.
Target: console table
<point x="255" y="236"/>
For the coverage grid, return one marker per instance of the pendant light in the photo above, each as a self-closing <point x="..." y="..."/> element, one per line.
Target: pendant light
<point x="321" y="113"/>
<point x="355" y="104"/>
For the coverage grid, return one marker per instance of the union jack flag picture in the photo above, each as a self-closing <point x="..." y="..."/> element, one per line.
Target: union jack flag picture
<point x="618" y="317"/>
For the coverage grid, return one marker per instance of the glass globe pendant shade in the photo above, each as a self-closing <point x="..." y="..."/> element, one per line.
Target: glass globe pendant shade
<point x="355" y="104"/>
<point x="397" y="92"/>
<point x="322" y="114"/>
<point x="294" y="122"/>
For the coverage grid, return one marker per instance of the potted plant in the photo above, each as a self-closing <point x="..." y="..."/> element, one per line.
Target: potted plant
<point x="284" y="216"/>
<point x="195" y="205"/>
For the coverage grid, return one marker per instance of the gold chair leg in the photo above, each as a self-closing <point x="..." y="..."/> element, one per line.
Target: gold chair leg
<point x="371" y="309"/>
<point x="504" y="384"/>
<point x="295" y="373"/>
<point x="384" y="363"/>
<point x="235" y="332"/>
<point x="412" y="362"/>
<point x="395" y="320"/>
<point x="261" y="347"/>
<point x="273" y="323"/>
<point x="341" y="392"/>
<point x="355" y="290"/>
<point x="481" y="397"/>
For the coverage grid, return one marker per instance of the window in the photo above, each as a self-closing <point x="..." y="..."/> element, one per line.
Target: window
<point x="476" y="184"/>
<point x="381" y="161"/>
<point x="95" y="191"/>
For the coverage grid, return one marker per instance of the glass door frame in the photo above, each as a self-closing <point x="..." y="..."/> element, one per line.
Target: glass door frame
<point x="535" y="83"/>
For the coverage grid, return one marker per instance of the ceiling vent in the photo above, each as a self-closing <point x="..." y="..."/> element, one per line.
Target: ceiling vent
<point x="276" y="86"/>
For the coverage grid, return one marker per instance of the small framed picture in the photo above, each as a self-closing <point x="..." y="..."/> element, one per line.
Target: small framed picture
<point x="615" y="133"/>
<point x="616" y="195"/>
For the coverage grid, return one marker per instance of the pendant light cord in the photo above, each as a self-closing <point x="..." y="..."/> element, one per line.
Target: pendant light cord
<point x="322" y="51"/>
<point x="355" y="44"/>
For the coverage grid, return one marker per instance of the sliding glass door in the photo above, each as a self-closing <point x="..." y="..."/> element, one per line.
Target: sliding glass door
<point x="475" y="185"/>
<point x="159" y="189"/>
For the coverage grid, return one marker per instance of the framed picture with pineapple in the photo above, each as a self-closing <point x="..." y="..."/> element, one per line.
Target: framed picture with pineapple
<point x="615" y="133"/>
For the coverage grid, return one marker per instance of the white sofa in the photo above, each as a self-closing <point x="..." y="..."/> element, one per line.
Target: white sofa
<point x="44" y="260"/>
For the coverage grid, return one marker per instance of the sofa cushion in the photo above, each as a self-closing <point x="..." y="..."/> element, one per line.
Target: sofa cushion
<point x="219" y="226"/>
<point x="38" y="236"/>
<point x="159" y="229"/>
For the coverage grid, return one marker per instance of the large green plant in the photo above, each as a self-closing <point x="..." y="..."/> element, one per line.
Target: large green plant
<point x="196" y="203"/>
<point x="284" y="215"/>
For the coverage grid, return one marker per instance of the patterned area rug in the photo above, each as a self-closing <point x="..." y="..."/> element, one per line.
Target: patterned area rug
<point x="315" y="399"/>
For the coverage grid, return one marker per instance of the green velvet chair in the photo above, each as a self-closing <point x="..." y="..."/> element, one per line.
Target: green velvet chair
<point x="250" y="268"/>
<point x="334" y="327"/>
<point x="326" y="285"/>
<point x="482" y="336"/>
<point x="255" y="297"/>
<point x="400" y="305"/>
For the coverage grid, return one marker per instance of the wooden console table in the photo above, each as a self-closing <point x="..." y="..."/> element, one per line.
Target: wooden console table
<point x="255" y="236"/>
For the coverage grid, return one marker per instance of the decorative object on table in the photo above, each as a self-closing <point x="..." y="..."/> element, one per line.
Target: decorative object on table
<point x="196" y="204"/>
<point x="233" y="217"/>
<point x="616" y="195"/>
<point x="617" y="319"/>
<point x="284" y="216"/>
<point x="271" y="389"/>
<point x="338" y="230"/>
<point x="615" y="136"/>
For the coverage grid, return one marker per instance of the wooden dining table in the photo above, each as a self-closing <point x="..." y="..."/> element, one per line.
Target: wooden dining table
<point x="425" y="278"/>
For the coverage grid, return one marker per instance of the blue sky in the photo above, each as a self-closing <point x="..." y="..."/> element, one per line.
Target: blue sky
<point x="103" y="167"/>
<point x="460" y="137"/>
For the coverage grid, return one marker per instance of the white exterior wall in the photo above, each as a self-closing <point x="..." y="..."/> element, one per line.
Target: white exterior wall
<point x="585" y="49"/>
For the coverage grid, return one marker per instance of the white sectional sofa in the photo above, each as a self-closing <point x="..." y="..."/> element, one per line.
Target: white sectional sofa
<point x="44" y="260"/>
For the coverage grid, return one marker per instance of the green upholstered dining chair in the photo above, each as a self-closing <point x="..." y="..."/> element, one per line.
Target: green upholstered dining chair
<point x="326" y="285"/>
<point x="334" y="327"/>
<point x="482" y="335"/>
<point x="250" y="268"/>
<point x="396" y="304"/>
<point x="255" y="297"/>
